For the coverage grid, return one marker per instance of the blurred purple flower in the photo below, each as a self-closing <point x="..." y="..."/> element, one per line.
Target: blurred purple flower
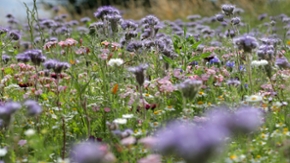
<point x="139" y="73"/>
<point x="33" y="108"/>
<point x="91" y="152"/>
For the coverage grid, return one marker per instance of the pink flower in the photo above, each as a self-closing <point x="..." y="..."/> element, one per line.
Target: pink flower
<point x="49" y="45"/>
<point x="152" y="158"/>
<point x="22" y="142"/>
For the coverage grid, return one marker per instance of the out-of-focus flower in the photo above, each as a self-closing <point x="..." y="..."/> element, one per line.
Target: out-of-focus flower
<point x="256" y="63"/>
<point x="68" y="42"/>
<point x="22" y="142"/>
<point x="127" y="116"/>
<point x="32" y="107"/>
<point x="91" y="152"/>
<point x="228" y="9"/>
<point x="246" y="43"/>
<point x="115" y="61"/>
<point x="56" y="66"/>
<point x="29" y="132"/>
<point x="246" y="119"/>
<point x="254" y="98"/>
<point x="3" y="152"/>
<point x="139" y="73"/>
<point x="36" y="56"/>
<point x="120" y="121"/>
<point x="152" y="158"/>
<point x="189" y="87"/>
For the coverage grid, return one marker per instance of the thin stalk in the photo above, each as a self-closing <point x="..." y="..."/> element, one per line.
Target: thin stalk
<point x="249" y="70"/>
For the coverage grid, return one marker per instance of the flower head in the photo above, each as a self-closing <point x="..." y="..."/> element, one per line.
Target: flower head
<point x="32" y="107"/>
<point x="115" y="61"/>
<point x="189" y="87"/>
<point x="228" y="9"/>
<point x="91" y="152"/>
<point x="139" y="73"/>
<point x="246" y="43"/>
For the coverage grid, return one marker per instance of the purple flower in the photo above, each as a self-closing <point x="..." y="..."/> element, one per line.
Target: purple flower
<point x="235" y="21"/>
<point x="3" y="30"/>
<point x="22" y="57"/>
<point x="150" y="20"/>
<point x="14" y="35"/>
<point x="36" y="56"/>
<point x="266" y="52"/>
<point x="32" y="107"/>
<point x="233" y="82"/>
<point x="133" y="46"/>
<point x="128" y="24"/>
<point x="219" y="17"/>
<point x="56" y="66"/>
<point x="139" y="73"/>
<point x="214" y="60"/>
<point x="230" y="64"/>
<point x="282" y="62"/>
<point x="192" y="143"/>
<point x="7" y="111"/>
<point x="85" y="19"/>
<point x="246" y="43"/>
<point x="90" y="152"/>
<point x="189" y="87"/>
<point x="228" y="9"/>
<point x="5" y="58"/>
<point x="246" y="119"/>
<point x="193" y="17"/>
<point x="105" y="10"/>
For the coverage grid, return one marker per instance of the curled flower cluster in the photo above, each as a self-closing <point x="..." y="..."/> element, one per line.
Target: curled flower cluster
<point x="56" y="66"/>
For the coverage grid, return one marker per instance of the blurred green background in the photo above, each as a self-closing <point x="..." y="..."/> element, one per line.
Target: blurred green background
<point x="136" y="9"/>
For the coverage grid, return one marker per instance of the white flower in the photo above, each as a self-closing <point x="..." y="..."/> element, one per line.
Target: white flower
<point x="128" y="116"/>
<point x="29" y="132"/>
<point x="254" y="98"/>
<point x="169" y="108"/>
<point x="120" y="121"/>
<point x="256" y="63"/>
<point x="3" y="152"/>
<point x="115" y="61"/>
<point x="60" y="160"/>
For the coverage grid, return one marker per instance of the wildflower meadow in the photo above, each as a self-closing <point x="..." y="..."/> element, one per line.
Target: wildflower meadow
<point x="111" y="90"/>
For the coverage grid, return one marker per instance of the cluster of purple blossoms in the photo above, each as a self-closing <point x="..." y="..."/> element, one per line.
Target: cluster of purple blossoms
<point x="35" y="56"/>
<point x="189" y="87"/>
<point x="139" y="73"/>
<point x="198" y="142"/>
<point x="6" y="112"/>
<point x="151" y="27"/>
<point x="106" y="10"/>
<point x="14" y="35"/>
<point x="246" y="43"/>
<point x="5" y="58"/>
<point x="134" y="46"/>
<point x="32" y="107"/>
<point x="91" y="152"/>
<point x="56" y="66"/>
<point x="228" y="9"/>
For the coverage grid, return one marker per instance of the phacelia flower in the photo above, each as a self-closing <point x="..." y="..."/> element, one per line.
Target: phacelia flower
<point x="228" y="9"/>
<point x="91" y="152"/>
<point x="32" y="107"/>
<point x="246" y="43"/>
<point x="139" y="73"/>
<point x="189" y="87"/>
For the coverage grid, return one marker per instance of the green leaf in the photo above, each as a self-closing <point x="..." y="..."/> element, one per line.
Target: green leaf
<point x="167" y="59"/>
<point x="195" y="45"/>
<point x="200" y="57"/>
<point x="8" y="70"/>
